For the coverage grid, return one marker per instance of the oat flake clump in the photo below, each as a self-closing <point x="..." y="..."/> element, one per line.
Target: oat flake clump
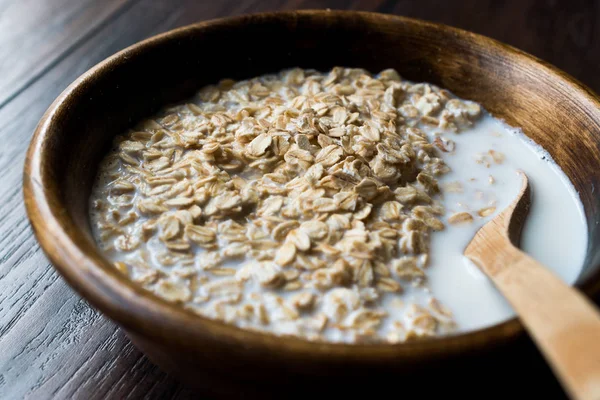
<point x="299" y="203"/>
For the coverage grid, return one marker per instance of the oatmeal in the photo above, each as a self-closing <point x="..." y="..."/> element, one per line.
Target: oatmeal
<point x="302" y="203"/>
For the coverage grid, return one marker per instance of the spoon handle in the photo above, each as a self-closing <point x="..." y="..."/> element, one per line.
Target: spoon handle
<point x="562" y="321"/>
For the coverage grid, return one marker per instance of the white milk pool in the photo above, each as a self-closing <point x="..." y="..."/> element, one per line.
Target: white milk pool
<point x="555" y="233"/>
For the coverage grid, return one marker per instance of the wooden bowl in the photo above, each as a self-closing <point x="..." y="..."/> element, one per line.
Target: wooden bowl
<point x="75" y="133"/>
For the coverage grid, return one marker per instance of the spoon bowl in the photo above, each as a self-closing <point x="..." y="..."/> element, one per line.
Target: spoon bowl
<point x="564" y="324"/>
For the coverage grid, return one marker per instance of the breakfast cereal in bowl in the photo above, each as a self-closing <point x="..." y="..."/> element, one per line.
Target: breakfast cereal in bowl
<point x="333" y="206"/>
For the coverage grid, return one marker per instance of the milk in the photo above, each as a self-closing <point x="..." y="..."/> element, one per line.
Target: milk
<point x="555" y="233"/>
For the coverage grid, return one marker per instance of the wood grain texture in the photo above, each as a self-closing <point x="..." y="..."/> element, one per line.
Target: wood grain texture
<point x="35" y="34"/>
<point x="564" y="33"/>
<point x="26" y="277"/>
<point x="75" y="134"/>
<point x="564" y="323"/>
<point x="52" y="343"/>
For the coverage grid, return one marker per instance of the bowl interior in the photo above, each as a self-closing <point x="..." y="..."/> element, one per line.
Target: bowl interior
<point x="554" y="111"/>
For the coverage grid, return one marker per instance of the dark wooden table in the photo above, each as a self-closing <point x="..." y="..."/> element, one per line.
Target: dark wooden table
<point x="52" y="344"/>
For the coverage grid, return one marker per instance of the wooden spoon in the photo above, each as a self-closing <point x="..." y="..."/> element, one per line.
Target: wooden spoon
<point x="563" y="322"/>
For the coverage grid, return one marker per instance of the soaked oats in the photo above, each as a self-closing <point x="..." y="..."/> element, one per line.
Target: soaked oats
<point x="300" y="203"/>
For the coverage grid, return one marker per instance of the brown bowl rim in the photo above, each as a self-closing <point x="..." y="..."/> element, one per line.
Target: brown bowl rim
<point x="140" y="311"/>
